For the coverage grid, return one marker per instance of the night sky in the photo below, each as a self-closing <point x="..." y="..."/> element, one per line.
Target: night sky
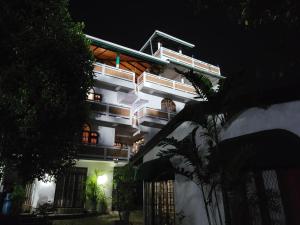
<point x="218" y="39"/>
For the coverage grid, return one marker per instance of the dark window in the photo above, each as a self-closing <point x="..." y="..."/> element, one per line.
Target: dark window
<point x="168" y="105"/>
<point x="70" y="188"/>
<point x="257" y="200"/>
<point x="159" y="202"/>
<point x="97" y="98"/>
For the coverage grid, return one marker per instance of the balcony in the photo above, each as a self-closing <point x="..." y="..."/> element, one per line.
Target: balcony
<point x="189" y="61"/>
<point x="109" y="115"/>
<point x="102" y="152"/>
<point x="153" y="117"/>
<point x="113" y="77"/>
<point x="163" y="87"/>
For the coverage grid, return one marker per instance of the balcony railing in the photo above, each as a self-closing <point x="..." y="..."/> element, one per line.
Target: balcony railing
<point x="103" y="152"/>
<point x="162" y="81"/>
<point x="114" y="76"/>
<point x="109" y="109"/>
<point x="206" y="67"/>
<point x="154" y="113"/>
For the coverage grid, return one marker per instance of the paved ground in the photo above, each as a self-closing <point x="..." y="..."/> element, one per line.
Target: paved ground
<point x="136" y="218"/>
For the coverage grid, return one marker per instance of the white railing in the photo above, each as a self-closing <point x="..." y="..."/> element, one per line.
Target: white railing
<point x="114" y="72"/>
<point x="148" y="77"/>
<point x="164" y="52"/>
<point x="154" y="113"/>
<point x="106" y="152"/>
<point x="111" y="110"/>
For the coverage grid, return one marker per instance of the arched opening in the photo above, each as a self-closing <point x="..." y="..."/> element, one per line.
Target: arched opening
<point x="86" y="133"/>
<point x="168" y="105"/>
<point x="88" y="136"/>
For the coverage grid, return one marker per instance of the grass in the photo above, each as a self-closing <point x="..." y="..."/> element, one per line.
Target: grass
<point x="136" y="218"/>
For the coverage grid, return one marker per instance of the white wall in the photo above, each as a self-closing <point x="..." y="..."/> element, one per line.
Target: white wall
<point x="108" y="96"/>
<point x="189" y="202"/>
<point x="106" y="136"/>
<point x="42" y="192"/>
<point x="278" y="116"/>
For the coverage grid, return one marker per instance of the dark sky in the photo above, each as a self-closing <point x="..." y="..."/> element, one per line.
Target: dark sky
<point x="130" y="23"/>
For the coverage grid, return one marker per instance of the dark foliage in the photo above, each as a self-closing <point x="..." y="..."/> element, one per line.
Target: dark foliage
<point x="46" y="70"/>
<point x="255" y="12"/>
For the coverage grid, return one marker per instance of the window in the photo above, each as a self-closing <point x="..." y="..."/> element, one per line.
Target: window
<point x="159" y="202"/>
<point x="86" y="133"/>
<point x="70" y="188"/>
<point x="88" y="136"/>
<point x="97" y="98"/>
<point x="256" y="199"/>
<point x="168" y="105"/>
<point x="94" y="138"/>
<point x="91" y="95"/>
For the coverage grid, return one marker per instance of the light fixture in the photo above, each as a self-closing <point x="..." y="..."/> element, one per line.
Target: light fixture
<point x="116" y="160"/>
<point x="101" y="179"/>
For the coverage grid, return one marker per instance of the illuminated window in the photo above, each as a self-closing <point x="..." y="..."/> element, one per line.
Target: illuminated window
<point x="89" y="137"/>
<point x="86" y="133"/>
<point x="91" y="95"/>
<point x="97" y="98"/>
<point x="94" y="138"/>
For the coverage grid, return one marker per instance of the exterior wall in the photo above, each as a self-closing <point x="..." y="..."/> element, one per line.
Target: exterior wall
<point x="189" y="202"/>
<point x="106" y="136"/>
<point x="43" y="192"/>
<point x="278" y="116"/>
<point x="150" y="132"/>
<point x="108" y="96"/>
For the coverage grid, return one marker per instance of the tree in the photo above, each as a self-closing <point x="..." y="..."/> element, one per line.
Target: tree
<point x="125" y="187"/>
<point x="46" y="70"/>
<point x="255" y="12"/>
<point x="274" y="28"/>
<point x="95" y="192"/>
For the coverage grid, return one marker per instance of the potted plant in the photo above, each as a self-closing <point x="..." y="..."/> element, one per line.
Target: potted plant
<point x="95" y="192"/>
<point x="124" y="188"/>
<point x="18" y="197"/>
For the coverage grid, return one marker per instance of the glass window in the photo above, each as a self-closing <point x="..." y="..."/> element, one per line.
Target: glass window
<point x="85" y="133"/>
<point x="168" y="105"/>
<point x="94" y="138"/>
<point x="90" y="94"/>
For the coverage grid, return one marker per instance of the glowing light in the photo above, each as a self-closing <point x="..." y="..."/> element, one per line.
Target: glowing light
<point x="102" y="179"/>
<point x="47" y="180"/>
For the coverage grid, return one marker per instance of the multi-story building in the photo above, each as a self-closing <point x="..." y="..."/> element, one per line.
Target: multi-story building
<point x="135" y="94"/>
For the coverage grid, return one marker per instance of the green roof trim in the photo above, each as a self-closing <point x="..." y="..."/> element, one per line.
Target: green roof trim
<point x="169" y="37"/>
<point x="128" y="51"/>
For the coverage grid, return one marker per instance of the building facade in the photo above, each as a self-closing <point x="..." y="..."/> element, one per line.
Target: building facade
<point x="136" y="94"/>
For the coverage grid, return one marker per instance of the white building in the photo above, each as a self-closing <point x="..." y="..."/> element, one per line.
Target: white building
<point x="136" y="93"/>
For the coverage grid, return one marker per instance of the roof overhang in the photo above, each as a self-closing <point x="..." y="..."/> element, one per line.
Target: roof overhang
<point x="268" y="149"/>
<point x="158" y="33"/>
<point x="125" y="50"/>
